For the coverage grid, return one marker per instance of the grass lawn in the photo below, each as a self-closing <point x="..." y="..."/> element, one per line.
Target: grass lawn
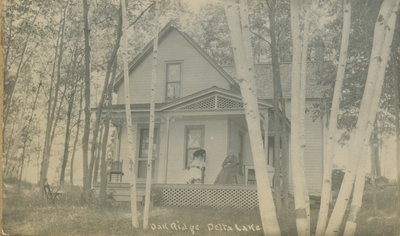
<point x="27" y="214"/>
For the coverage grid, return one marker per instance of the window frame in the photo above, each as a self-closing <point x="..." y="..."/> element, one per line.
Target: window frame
<point x="186" y="152"/>
<point x="155" y="153"/>
<point x="168" y="63"/>
<point x="247" y="169"/>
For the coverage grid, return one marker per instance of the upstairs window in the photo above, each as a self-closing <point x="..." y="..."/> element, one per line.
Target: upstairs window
<point x="174" y="74"/>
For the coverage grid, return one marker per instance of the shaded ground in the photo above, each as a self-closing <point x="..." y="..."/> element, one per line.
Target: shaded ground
<point x="27" y="214"/>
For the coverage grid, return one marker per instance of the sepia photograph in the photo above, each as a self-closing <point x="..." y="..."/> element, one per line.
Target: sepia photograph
<point x="200" y="117"/>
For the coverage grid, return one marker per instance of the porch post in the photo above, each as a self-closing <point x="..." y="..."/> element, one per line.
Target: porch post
<point x="118" y="142"/>
<point x="270" y="168"/>
<point x="164" y="142"/>
<point x="265" y="116"/>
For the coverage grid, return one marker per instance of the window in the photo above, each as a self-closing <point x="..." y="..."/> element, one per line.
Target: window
<point x="194" y="139"/>
<point x="250" y="176"/>
<point x="143" y="150"/>
<point x="173" y="81"/>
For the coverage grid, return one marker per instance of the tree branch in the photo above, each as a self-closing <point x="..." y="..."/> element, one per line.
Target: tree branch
<point x="141" y="14"/>
<point x="261" y="37"/>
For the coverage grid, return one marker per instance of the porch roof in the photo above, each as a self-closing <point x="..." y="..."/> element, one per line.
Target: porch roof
<point x="194" y="102"/>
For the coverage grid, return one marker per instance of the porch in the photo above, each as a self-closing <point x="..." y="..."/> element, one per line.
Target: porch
<point x="189" y="195"/>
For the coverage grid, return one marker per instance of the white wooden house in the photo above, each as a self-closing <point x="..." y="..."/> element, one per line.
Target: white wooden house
<point x="198" y="105"/>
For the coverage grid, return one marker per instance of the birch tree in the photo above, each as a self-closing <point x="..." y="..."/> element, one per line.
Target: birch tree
<point x="297" y="120"/>
<point x="71" y="99"/>
<point x="389" y="28"/>
<point x="383" y="35"/>
<point x="78" y="125"/>
<point x="331" y="142"/>
<point x="239" y="33"/>
<point x="26" y="138"/>
<point x="279" y="103"/>
<point x="51" y="121"/>
<point x="151" y="121"/>
<point x="9" y="91"/>
<point x="277" y="88"/>
<point x="86" y="128"/>
<point x="103" y="162"/>
<point x="131" y="143"/>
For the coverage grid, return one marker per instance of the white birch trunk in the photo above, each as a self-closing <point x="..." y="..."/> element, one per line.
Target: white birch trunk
<point x="383" y="35"/>
<point x="303" y="86"/>
<point x="297" y="123"/>
<point x="151" y="124"/>
<point x="239" y="32"/>
<point x="131" y="143"/>
<point x="351" y="225"/>
<point x="331" y="142"/>
<point x="360" y="180"/>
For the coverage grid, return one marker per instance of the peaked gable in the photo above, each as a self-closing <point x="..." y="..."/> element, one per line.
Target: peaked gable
<point x="164" y="33"/>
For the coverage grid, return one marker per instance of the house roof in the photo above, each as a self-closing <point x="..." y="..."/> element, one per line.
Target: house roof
<point x="161" y="36"/>
<point x="263" y="72"/>
<point x="264" y="80"/>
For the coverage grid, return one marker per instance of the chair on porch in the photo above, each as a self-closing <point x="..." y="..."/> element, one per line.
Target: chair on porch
<point x="116" y="172"/>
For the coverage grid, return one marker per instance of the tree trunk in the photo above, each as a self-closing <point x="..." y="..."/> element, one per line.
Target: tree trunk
<point x="103" y="161"/>
<point x="350" y="228"/>
<point x="71" y="173"/>
<point x="241" y="44"/>
<point x="66" y="143"/>
<point x="86" y="129"/>
<point x="277" y="123"/>
<point x="279" y="100"/>
<point x="98" y="154"/>
<point x="10" y="91"/>
<point x="131" y="143"/>
<point x="26" y="138"/>
<point x="103" y="164"/>
<point x="52" y="106"/>
<point x="68" y="128"/>
<point x="151" y="122"/>
<point x="383" y="35"/>
<point x="331" y="142"/>
<point x="58" y="113"/>
<point x="297" y="120"/>
<point x="375" y="165"/>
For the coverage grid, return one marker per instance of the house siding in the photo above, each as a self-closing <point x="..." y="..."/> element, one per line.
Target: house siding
<point x="215" y="144"/>
<point x="313" y="152"/>
<point x="197" y="73"/>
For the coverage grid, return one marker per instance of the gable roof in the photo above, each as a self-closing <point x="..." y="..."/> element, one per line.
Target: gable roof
<point x="148" y="49"/>
<point x="264" y="80"/>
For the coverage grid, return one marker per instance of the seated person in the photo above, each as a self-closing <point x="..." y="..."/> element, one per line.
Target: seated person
<point x="229" y="171"/>
<point x="196" y="170"/>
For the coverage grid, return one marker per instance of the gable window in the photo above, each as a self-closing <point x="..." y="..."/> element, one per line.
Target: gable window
<point x="143" y="150"/>
<point x="174" y="74"/>
<point x="194" y="140"/>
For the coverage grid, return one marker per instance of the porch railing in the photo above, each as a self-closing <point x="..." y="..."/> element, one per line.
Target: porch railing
<point x="205" y="196"/>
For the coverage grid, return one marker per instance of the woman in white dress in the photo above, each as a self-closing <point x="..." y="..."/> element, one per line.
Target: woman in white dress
<point x="197" y="167"/>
